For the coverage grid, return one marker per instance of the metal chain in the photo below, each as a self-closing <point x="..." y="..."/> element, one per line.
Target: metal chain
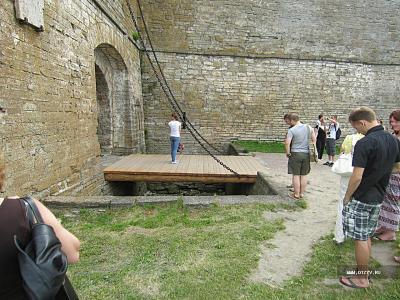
<point x="173" y="103"/>
<point x="165" y="80"/>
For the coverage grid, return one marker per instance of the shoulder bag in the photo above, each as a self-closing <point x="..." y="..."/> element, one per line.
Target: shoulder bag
<point x="42" y="263"/>
<point x="312" y="148"/>
<point x="343" y="165"/>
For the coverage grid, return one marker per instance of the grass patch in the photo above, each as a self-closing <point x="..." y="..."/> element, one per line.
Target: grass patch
<point x="172" y="252"/>
<point x="268" y="147"/>
<point x="262" y="146"/>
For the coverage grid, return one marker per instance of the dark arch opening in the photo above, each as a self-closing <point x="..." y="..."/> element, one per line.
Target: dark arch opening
<point x="104" y="112"/>
<point x="113" y="102"/>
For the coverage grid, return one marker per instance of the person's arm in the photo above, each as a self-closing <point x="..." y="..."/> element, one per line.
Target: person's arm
<point x="354" y="182"/>
<point x="396" y="166"/>
<point x="288" y="140"/>
<point x="316" y="127"/>
<point x="347" y="143"/>
<point x="313" y="137"/>
<point x="70" y="245"/>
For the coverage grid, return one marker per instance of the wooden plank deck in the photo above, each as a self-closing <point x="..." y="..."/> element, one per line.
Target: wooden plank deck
<point x="191" y="168"/>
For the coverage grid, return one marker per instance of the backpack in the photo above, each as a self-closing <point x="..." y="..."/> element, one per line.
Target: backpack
<point x="338" y="133"/>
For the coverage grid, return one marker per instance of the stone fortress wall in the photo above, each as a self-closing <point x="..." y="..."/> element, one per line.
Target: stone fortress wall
<point x="82" y="88"/>
<point x="238" y="66"/>
<point x="49" y="83"/>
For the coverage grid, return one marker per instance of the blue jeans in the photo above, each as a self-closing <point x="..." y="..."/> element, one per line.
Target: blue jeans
<point x="174" y="146"/>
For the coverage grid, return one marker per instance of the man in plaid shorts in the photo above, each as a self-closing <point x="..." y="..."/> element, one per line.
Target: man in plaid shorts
<point x="373" y="160"/>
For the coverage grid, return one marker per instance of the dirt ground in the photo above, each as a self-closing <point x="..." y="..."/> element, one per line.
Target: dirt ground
<point x="287" y="253"/>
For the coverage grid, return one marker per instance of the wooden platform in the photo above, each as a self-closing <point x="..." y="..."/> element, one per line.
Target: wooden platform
<point x="190" y="168"/>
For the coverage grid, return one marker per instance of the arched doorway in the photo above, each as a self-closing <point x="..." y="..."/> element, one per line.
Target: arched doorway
<point x="113" y="110"/>
<point x="103" y="113"/>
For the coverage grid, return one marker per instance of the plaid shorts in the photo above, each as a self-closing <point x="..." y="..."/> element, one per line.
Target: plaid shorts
<point x="360" y="220"/>
<point x="330" y="146"/>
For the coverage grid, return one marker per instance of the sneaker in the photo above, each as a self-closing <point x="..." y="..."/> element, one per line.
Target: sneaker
<point x="338" y="241"/>
<point x="330" y="164"/>
<point x="326" y="164"/>
<point x="174" y="162"/>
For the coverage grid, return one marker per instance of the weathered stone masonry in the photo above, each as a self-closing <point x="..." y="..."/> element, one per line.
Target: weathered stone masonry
<point x="238" y="66"/>
<point x="80" y="89"/>
<point x="48" y="84"/>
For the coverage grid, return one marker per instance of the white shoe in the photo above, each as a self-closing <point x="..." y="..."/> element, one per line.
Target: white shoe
<point x="338" y="241"/>
<point x="174" y="162"/>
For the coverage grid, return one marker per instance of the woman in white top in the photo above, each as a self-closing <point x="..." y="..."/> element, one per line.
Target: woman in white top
<point x="175" y="135"/>
<point x="346" y="148"/>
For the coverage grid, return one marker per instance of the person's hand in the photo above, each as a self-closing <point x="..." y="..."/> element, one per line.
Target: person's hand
<point x="346" y="201"/>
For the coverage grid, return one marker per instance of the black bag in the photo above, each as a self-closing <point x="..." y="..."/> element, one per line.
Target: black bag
<point x="42" y="263"/>
<point x="338" y="133"/>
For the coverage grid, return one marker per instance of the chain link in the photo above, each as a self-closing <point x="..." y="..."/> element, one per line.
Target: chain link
<point x="172" y="101"/>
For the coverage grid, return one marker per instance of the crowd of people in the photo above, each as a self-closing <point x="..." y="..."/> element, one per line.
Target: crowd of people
<point x="369" y="195"/>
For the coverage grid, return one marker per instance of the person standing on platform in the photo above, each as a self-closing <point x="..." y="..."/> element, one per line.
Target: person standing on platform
<point x="174" y="136"/>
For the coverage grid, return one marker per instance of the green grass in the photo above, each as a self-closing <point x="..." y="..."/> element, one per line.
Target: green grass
<point x="171" y="252"/>
<point x="267" y="147"/>
<point x="260" y="146"/>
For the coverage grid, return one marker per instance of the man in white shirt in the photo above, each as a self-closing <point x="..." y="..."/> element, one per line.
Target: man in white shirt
<point x="331" y="140"/>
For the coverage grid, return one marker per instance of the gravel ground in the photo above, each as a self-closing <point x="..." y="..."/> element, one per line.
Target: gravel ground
<point x="287" y="253"/>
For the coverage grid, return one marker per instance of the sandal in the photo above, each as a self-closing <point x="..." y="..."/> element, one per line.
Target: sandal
<point x="378" y="238"/>
<point x="350" y="283"/>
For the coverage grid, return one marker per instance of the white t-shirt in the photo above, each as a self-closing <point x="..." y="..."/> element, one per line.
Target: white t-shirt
<point x="332" y="130"/>
<point x="175" y="127"/>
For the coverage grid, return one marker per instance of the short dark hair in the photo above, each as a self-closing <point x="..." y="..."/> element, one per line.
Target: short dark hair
<point x="293" y="117"/>
<point x="174" y="115"/>
<point x="320" y="116"/>
<point x="362" y="113"/>
<point x="395" y="114"/>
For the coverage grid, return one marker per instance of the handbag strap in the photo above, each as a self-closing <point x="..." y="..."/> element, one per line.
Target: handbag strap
<point x="32" y="211"/>
<point x="310" y="134"/>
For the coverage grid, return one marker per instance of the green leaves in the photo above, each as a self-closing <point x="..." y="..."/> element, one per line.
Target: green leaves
<point x="135" y="35"/>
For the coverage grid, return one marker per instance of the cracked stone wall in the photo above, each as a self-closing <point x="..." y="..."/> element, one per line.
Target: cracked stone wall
<point x="237" y="66"/>
<point x="48" y="83"/>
